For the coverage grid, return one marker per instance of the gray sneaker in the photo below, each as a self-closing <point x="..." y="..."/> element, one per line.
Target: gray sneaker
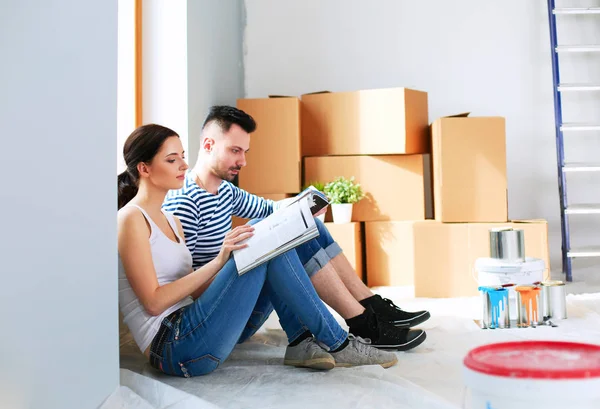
<point x="360" y="352"/>
<point x="308" y="354"/>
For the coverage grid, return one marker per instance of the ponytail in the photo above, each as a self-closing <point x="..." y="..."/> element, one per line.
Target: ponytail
<point x="127" y="188"/>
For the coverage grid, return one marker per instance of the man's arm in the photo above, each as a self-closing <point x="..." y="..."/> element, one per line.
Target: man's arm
<point x="198" y="292"/>
<point x="249" y="206"/>
<point x="186" y="209"/>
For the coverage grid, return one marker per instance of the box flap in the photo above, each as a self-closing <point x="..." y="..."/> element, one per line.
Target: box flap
<point x="461" y="115"/>
<point x="530" y="221"/>
<point x="317" y="92"/>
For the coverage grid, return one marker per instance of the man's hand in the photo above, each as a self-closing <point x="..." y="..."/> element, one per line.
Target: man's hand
<point x="322" y="211"/>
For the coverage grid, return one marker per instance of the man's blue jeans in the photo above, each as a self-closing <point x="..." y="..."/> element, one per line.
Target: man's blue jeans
<point x="314" y="255"/>
<point x="205" y="332"/>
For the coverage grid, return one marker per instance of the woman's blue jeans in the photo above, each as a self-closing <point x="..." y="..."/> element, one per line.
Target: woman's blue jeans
<point x="202" y="335"/>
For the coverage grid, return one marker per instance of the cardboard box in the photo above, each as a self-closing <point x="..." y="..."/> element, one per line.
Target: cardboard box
<point x="469" y="169"/>
<point x="368" y="122"/>
<point x="350" y="238"/>
<point x="238" y="221"/>
<point x="439" y="258"/>
<point x="274" y="159"/>
<point x="394" y="184"/>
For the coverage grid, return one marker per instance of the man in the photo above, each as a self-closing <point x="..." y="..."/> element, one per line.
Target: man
<point x="208" y="200"/>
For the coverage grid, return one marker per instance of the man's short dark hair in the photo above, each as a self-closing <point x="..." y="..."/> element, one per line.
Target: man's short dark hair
<point x="225" y="116"/>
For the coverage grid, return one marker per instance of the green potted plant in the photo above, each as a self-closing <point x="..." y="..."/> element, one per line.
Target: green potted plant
<point x="320" y="186"/>
<point x="342" y="194"/>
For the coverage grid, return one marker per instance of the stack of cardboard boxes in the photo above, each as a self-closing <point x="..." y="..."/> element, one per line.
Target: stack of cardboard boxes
<point x="382" y="137"/>
<point x="470" y="198"/>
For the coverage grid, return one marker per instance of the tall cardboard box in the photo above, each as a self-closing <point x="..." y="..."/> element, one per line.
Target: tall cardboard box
<point x="238" y="221"/>
<point x="274" y="159"/>
<point x="367" y="122"/>
<point x="394" y="184"/>
<point x="439" y="258"/>
<point x="349" y="237"/>
<point x="469" y="169"/>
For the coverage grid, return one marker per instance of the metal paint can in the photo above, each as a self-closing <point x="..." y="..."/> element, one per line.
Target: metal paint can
<point x="529" y="306"/>
<point x="554" y="299"/>
<point x="495" y="307"/>
<point x="507" y="244"/>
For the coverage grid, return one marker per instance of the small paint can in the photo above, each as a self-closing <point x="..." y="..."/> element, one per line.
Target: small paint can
<point x="495" y="307"/>
<point x="529" y="306"/>
<point x="554" y="299"/>
<point x="486" y="307"/>
<point x="507" y="244"/>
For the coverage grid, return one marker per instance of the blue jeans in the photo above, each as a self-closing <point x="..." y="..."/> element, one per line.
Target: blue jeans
<point x="314" y="255"/>
<point x="204" y="333"/>
<point x="317" y="252"/>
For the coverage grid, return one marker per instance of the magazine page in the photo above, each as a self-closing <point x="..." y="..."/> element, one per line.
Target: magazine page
<point x="317" y="200"/>
<point x="274" y="232"/>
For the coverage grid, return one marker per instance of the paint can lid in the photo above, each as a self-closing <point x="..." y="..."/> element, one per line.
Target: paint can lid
<point x="489" y="289"/>
<point x="527" y="288"/>
<point x="499" y="229"/>
<point x="552" y="283"/>
<point x="536" y="360"/>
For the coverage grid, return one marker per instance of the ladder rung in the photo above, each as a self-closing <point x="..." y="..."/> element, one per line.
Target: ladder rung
<point x="577" y="10"/>
<point x="590" y="251"/>
<point x="578" y="87"/>
<point x="579" y="127"/>
<point x="577" y="48"/>
<point x="581" y="167"/>
<point x="583" y="209"/>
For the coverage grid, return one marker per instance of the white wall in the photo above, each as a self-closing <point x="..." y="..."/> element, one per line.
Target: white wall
<point x="215" y="70"/>
<point x="58" y="294"/>
<point x="490" y="58"/>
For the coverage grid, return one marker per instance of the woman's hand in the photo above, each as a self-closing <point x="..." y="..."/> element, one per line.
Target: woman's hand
<point x="233" y="241"/>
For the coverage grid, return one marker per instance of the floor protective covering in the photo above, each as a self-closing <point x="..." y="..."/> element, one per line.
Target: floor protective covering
<point x="427" y="377"/>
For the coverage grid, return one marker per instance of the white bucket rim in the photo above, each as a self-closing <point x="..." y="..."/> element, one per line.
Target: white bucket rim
<point x="530" y="390"/>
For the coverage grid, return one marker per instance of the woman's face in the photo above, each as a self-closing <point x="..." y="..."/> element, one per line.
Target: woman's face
<point x="167" y="169"/>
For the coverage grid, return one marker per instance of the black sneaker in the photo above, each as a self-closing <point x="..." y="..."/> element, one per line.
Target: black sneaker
<point x="383" y="334"/>
<point x="388" y="311"/>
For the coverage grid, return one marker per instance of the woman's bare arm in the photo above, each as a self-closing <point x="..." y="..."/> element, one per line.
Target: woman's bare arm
<point x="136" y="256"/>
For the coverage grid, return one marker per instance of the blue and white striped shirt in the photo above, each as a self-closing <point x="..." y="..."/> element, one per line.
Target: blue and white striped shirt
<point x="206" y="218"/>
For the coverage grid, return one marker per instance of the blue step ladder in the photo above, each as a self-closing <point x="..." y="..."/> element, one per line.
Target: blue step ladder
<point x="564" y="168"/>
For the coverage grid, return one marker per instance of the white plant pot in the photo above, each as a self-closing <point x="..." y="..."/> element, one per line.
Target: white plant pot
<point x="342" y="212"/>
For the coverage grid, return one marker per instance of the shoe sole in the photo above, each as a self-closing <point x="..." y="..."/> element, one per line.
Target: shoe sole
<point x="415" y="342"/>
<point x="413" y="321"/>
<point x="318" y="363"/>
<point x="384" y="364"/>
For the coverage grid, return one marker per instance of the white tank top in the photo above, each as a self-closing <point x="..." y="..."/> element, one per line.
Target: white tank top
<point x="171" y="261"/>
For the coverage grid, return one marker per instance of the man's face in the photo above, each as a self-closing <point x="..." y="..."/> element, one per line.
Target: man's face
<point x="228" y="154"/>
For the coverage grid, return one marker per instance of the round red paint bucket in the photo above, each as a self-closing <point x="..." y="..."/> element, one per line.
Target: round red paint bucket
<point x="533" y="374"/>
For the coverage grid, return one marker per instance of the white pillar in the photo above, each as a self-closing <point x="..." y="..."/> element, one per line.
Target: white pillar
<point x="164" y="67"/>
<point x="58" y="291"/>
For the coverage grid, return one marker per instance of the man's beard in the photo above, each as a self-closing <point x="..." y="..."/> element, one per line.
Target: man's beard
<point x="225" y="175"/>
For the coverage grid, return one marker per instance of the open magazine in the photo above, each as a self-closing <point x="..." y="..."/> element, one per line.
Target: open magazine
<point x="283" y="230"/>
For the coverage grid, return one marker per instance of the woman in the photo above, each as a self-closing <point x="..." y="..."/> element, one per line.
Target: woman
<point x="187" y="322"/>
